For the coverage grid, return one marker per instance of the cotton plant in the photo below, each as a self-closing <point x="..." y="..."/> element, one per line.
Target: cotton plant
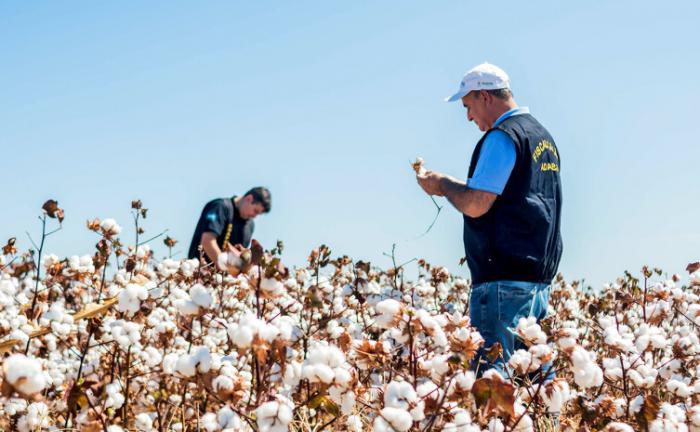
<point x="334" y="344"/>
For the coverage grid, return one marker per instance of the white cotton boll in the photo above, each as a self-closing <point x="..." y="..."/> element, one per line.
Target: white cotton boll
<point x="272" y="287"/>
<point x="669" y="368"/>
<point x="530" y="331"/>
<point x="520" y="361"/>
<point x="495" y="425"/>
<point x="636" y="404"/>
<point x="342" y="376"/>
<point x="227" y="259"/>
<point x="209" y="423"/>
<point x="242" y="336"/>
<point x="323" y="373"/>
<point x="203" y="359"/>
<point x="586" y="371"/>
<point x="130" y="298"/>
<point x="438" y="366"/>
<point x="388" y="310"/>
<point x="110" y="227"/>
<point x="152" y="356"/>
<point x="292" y="375"/>
<point x="694" y="418"/>
<point x="670" y="418"/>
<point x="679" y="388"/>
<point x="228" y="419"/>
<point x="115" y="399"/>
<point x="222" y="383"/>
<point x="398" y="394"/>
<point x="201" y="296"/>
<point x="144" y="422"/>
<point x="643" y="375"/>
<point x="613" y="368"/>
<point x="354" y="423"/>
<point x="170" y="363"/>
<point x="273" y="416"/>
<point x="567" y="337"/>
<point x="555" y="395"/>
<point x="114" y="428"/>
<point x="347" y="403"/>
<point x="381" y="425"/>
<point x="618" y="427"/>
<point x="186" y="366"/>
<point x="14" y="406"/>
<point x="25" y="374"/>
<point x="189" y="266"/>
<point x="465" y="380"/>
<point x="400" y="420"/>
<point x="37" y="418"/>
<point x="186" y="306"/>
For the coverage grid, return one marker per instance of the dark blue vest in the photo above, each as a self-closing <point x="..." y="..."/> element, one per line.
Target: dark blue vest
<point x="519" y="237"/>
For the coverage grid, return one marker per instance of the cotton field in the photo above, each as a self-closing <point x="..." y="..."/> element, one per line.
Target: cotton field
<point x="119" y="340"/>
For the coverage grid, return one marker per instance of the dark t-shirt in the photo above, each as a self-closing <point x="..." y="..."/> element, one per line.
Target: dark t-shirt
<point x="215" y="217"/>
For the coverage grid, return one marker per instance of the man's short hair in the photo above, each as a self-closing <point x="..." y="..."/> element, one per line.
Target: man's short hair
<point x="261" y="195"/>
<point x="504" y="93"/>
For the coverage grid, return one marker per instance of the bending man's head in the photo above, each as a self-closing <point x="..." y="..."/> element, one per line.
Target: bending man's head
<point x="255" y="202"/>
<point x="485" y="93"/>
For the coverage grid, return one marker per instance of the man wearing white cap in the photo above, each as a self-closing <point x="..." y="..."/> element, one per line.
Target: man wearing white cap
<point x="511" y="203"/>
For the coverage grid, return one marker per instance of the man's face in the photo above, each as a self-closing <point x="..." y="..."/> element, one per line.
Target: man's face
<point x="250" y="209"/>
<point x="475" y="103"/>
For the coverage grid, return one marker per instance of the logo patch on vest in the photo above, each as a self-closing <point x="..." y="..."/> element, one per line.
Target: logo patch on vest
<point x="542" y="147"/>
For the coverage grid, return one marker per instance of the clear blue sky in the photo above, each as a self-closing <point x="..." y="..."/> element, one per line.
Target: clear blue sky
<point x="326" y="103"/>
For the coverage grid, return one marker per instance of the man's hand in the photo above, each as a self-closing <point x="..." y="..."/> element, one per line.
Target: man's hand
<point x="430" y="182"/>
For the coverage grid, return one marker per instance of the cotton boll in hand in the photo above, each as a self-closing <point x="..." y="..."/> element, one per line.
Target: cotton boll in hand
<point x="230" y="262"/>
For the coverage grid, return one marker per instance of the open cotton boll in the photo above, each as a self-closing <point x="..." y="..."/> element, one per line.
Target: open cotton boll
<point x="521" y="361"/>
<point x="200" y="296"/>
<point x="186" y="306"/>
<point x="24" y="374"/>
<point x="530" y="331"/>
<point x="399" y="394"/>
<point x="227" y="259"/>
<point x="273" y="416"/>
<point x="36" y="418"/>
<point x="272" y="287"/>
<point x="354" y="423"/>
<point x="388" y="311"/>
<point x="618" y="427"/>
<point x="114" y="428"/>
<point x="586" y="372"/>
<point x="395" y="419"/>
<point x="130" y="298"/>
<point x="144" y="422"/>
<point x="228" y="419"/>
<point x="115" y="399"/>
<point x="209" y="423"/>
<point x="110" y="227"/>
<point x="556" y="393"/>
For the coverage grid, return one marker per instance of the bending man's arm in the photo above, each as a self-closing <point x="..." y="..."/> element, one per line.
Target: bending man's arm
<point x="471" y="202"/>
<point x="210" y="246"/>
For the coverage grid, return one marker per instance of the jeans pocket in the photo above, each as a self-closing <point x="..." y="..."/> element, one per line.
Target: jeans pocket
<point x="514" y="302"/>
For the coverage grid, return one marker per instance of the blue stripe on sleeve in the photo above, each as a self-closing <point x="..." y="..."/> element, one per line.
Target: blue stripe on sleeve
<point x="496" y="162"/>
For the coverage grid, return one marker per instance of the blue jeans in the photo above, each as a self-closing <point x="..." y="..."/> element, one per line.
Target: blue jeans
<point x="494" y="310"/>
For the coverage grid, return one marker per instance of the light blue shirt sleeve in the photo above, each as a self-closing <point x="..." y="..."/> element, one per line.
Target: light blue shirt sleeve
<point x="496" y="162"/>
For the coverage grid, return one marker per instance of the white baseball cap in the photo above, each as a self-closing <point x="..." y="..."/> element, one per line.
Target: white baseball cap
<point x="483" y="77"/>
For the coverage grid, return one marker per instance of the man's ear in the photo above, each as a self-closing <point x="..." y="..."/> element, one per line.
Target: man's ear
<point x="248" y="199"/>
